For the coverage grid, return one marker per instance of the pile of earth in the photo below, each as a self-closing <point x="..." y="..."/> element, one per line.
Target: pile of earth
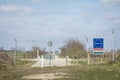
<point x="4" y="58"/>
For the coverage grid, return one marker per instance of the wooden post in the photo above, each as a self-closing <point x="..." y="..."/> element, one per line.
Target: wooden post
<point x="101" y="58"/>
<point x="88" y="58"/>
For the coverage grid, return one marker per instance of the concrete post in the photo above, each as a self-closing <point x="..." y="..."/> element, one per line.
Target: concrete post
<point x="38" y="56"/>
<point x="42" y="59"/>
<point x="67" y="60"/>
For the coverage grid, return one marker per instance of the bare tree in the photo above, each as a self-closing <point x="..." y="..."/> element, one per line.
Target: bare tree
<point x="73" y="48"/>
<point x="34" y="51"/>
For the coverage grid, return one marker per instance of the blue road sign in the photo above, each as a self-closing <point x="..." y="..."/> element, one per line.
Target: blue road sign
<point x="98" y="43"/>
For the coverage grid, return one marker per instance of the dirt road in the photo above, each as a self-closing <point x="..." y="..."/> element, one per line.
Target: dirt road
<point x="53" y="62"/>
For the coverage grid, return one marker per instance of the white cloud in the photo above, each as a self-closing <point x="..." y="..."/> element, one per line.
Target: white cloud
<point x="8" y="8"/>
<point x="15" y="8"/>
<point x="110" y="2"/>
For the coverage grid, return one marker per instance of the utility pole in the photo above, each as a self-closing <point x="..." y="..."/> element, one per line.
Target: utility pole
<point x="113" y="52"/>
<point x="50" y="43"/>
<point x="88" y="54"/>
<point x="15" y="51"/>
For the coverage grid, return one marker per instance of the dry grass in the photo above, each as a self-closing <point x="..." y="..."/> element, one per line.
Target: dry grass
<point x="79" y="72"/>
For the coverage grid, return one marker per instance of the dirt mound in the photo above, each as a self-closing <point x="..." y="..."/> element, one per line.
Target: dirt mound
<point x="4" y="58"/>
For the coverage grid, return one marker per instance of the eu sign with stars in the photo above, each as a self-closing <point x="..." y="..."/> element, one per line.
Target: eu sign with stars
<point x="98" y="45"/>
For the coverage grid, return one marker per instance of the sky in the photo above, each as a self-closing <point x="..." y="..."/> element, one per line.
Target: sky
<point x="39" y="21"/>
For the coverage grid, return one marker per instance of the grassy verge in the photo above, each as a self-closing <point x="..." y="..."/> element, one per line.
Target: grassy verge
<point x="81" y="72"/>
<point x="96" y="72"/>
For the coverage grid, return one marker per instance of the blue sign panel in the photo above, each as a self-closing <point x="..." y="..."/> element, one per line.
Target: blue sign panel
<point x="98" y="40"/>
<point x="98" y="43"/>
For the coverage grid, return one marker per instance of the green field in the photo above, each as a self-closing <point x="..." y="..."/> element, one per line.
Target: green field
<point x="11" y="53"/>
<point x="19" y="54"/>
